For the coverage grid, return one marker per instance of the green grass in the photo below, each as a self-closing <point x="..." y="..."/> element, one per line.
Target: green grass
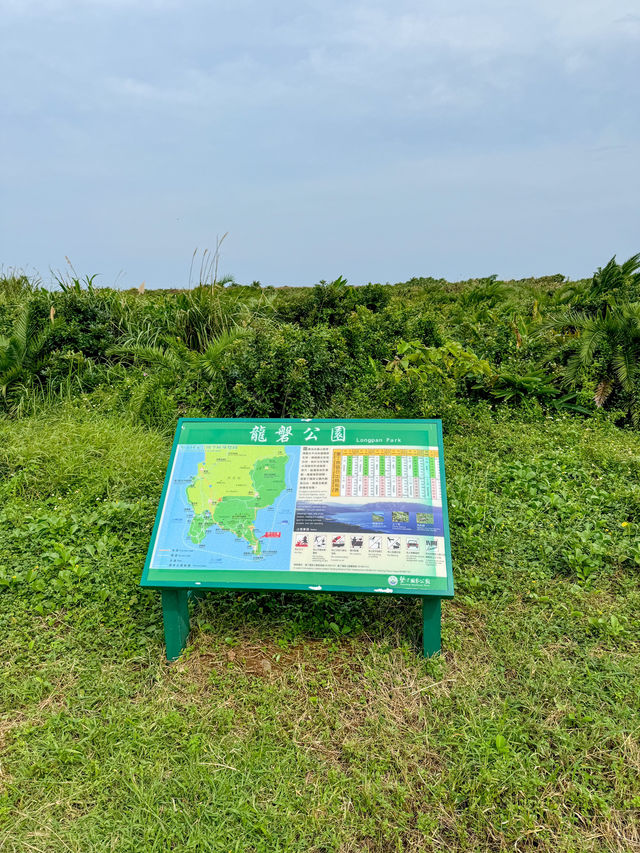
<point x="300" y="723"/>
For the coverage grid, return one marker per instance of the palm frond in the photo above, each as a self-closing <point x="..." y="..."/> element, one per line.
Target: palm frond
<point x="573" y="369"/>
<point x="8" y="377"/>
<point x="602" y="392"/>
<point x="624" y="363"/>
<point x="593" y="336"/>
<point x="143" y="393"/>
<point x="210" y="360"/>
<point x="569" y="319"/>
<point x="151" y="355"/>
<point x="631" y="265"/>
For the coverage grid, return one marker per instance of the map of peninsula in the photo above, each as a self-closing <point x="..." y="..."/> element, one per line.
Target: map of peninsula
<point x="231" y="485"/>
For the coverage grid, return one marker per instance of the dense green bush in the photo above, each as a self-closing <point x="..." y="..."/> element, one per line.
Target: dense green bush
<point x="294" y="351"/>
<point x="286" y="371"/>
<point x="331" y="303"/>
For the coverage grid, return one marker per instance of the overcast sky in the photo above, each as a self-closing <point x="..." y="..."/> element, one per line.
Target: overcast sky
<point x="378" y="140"/>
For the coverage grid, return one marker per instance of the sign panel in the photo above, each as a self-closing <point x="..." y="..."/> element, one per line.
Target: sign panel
<point x="353" y="505"/>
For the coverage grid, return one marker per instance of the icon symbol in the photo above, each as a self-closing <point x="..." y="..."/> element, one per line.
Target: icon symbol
<point x="393" y="543"/>
<point x="393" y="580"/>
<point x="375" y="543"/>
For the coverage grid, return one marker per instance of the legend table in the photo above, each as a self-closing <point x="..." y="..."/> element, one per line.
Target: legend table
<point x="396" y="473"/>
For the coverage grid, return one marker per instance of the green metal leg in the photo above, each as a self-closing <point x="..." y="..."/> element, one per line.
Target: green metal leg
<point x="175" y="613"/>
<point x="430" y="625"/>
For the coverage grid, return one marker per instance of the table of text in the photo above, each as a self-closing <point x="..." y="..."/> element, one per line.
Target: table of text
<point x="382" y="473"/>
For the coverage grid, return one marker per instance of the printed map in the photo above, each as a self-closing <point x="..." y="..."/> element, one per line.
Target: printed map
<point x="229" y="505"/>
<point x="232" y="484"/>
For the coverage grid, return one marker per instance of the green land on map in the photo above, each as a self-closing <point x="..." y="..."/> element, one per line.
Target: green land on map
<point x="231" y="485"/>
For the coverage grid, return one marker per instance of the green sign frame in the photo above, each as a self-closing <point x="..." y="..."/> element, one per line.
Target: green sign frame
<point x="349" y="441"/>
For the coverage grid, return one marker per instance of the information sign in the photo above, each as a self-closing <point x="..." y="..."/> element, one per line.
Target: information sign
<point x="349" y="506"/>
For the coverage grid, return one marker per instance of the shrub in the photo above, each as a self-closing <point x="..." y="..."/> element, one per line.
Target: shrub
<point x="332" y="303"/>
<point x="285" y="371"/>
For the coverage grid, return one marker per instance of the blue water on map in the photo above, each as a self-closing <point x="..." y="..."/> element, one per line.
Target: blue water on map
<point x="221" y="549"/>
<point x="375" y="517"/>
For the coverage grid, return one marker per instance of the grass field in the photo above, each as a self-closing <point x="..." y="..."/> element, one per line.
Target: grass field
<point x="298" y="723"/>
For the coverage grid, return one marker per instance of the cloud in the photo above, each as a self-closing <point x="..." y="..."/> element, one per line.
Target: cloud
<point x="329" y="76"/>
<point x="143" y="90"/>
<point x="28" y="8"/>
<point x="267" y="118"/>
